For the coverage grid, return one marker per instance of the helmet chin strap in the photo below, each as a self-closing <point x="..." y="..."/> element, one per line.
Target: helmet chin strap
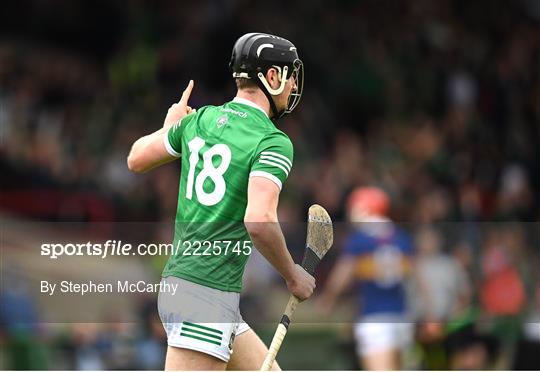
<point x="273" y="109"/>
<point x="269" y="92"/>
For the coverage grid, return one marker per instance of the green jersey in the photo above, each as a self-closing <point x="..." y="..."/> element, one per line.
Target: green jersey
<point x="221" y="148"/>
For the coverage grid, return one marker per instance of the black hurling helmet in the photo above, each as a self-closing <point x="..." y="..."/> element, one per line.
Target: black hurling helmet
<point x="255" y="53"/>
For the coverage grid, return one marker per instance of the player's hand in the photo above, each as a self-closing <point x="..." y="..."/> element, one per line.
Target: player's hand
<point x="301" y="284"/>
<point x="178" y="110"/>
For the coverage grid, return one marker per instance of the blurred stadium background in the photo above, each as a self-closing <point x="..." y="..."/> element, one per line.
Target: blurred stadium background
<point x="437" y="102"/>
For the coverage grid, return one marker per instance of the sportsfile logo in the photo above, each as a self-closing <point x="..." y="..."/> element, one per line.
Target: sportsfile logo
<point x="120" y="248"/>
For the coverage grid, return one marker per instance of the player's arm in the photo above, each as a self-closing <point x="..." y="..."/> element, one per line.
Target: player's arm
<point x="340" y="279"/>
<point x="151" y="151"/>
<point x="262" y="225"/>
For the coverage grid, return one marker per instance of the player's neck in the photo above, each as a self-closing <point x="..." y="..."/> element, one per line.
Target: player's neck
<point x="257" y="97"/>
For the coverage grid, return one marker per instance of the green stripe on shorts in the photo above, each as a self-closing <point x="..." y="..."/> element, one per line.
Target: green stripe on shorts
<point x="186" y="328"/>
<point x="204" y="328"/>
<point x="200" y="338"/>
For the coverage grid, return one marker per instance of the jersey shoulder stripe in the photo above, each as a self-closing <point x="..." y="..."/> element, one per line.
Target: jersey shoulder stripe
<point x="275" y="165"/>
<point x="276" y="160"/>
<point x="271" y="153"/>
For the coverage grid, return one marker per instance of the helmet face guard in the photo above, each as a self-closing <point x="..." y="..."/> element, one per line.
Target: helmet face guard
<point x="296" y="94"/>
<point x="255" y="53"/>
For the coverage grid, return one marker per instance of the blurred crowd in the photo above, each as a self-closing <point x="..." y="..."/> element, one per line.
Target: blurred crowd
<point x="438" y="103"/>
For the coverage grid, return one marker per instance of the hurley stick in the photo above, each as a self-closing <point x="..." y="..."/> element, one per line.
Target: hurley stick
<point x="319" y="240"/>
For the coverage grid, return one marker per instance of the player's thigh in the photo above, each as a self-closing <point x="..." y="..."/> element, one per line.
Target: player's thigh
<point x="186" y="359"/>
<point x="377" y="345"/>
<point x="248" y="352"/>
<point x="381" y="360"/>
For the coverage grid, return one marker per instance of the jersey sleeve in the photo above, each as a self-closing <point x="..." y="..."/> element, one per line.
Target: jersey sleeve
<point x="273" y="158"/>
<point x="173" y="139"/>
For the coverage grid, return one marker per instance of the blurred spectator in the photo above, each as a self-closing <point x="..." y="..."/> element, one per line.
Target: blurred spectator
<point x="441" y="293"/>
<point x="442" y="285"/>
<point x="526" y="357"/>
<point x="20" y="335"/>
<point x="502" y="290"/>
<point x="150" y="345"/>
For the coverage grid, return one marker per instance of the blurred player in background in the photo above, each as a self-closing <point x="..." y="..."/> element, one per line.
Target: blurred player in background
<point x="377" y="259"/>
<point x="234" y="163"/>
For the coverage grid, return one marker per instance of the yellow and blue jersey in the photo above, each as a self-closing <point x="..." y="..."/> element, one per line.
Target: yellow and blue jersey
<point x="382" y="263"/>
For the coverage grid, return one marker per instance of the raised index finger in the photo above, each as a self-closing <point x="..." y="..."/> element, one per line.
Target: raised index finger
<point x="187" y="92"/>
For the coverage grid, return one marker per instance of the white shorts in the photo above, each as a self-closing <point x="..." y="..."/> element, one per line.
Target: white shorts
<point x="375" y="334"/>
<point x="200" y="318"/>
